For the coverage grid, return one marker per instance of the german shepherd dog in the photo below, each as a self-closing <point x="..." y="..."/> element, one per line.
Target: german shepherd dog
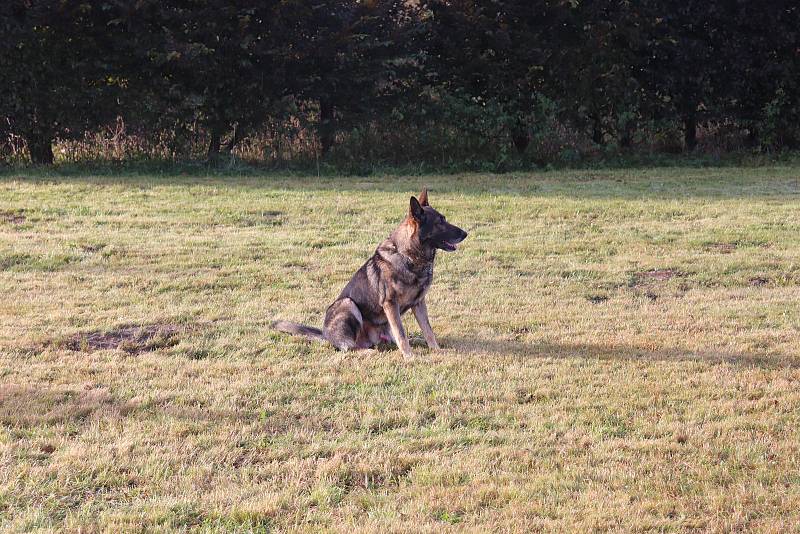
<point x="394" y="280"/>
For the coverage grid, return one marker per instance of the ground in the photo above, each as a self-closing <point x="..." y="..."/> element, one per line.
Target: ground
<point x="619" y="351"/>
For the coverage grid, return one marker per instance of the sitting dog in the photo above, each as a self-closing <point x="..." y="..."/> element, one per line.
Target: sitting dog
<point x="395" y="279"/>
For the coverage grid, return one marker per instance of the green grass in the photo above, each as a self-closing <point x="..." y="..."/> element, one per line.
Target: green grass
<point x="620" y="351"/>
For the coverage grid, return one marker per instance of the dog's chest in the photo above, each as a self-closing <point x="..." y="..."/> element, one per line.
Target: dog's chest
<point x="412" y="287"/>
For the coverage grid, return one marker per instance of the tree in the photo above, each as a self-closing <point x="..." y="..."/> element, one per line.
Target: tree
<point x="598" y="52"/>
<point x="339" y="56"/>
<point x="759" y="46"/>
<point x="208" y="62"/>
<point x="499" y="53"/>
<point x="685" y="67"/>
<point x="57" y="80"/>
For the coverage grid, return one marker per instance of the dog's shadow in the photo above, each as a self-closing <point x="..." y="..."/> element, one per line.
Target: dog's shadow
<point x="590" y="351"/>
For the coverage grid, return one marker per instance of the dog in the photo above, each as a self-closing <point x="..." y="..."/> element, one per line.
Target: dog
<point x="394" y="280"/>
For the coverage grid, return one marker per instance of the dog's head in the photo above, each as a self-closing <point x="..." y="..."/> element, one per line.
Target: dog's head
<point x="433" y="230"/>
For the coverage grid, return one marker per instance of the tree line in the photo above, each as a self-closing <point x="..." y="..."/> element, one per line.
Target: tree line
<point x="401" y="79"/>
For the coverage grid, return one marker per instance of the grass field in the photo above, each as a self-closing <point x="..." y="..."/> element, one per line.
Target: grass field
<point x="621" y="350"/>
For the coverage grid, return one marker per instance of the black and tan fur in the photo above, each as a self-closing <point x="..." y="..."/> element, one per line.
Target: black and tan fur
<point x="394" y="280"/>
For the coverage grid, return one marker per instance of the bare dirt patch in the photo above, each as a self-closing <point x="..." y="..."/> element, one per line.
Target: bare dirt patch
<point x="721" y="248"/>
<point x="91" y="249"/>
<point x="646" y="283"/>
<point x="651" y="296"/>
<point x="654" y="275"/>
<point x="131" y="339"/>
<point x="261" y="218"/>
<point x="13" y="216"/>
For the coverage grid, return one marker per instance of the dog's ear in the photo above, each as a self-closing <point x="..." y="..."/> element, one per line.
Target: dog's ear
<point x="423" y="197"/>
<point x="415" y="210"/>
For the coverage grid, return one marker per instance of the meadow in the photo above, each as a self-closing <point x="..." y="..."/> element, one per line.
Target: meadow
<point x="620" y="351"/>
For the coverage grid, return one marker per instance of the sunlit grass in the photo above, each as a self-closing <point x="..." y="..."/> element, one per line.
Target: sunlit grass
<point x="620" y="351"/>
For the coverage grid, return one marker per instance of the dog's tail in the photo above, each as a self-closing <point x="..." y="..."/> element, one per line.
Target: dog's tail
<point x="299" y="330"/>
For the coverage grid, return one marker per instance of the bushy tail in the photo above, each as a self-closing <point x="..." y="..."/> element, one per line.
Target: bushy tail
<point x="299" y="330"/>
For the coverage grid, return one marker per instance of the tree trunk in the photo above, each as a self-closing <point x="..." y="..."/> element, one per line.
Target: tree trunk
<point x="235" y="138"/>
<point x="626" y="136"/>
<point x="787" y="138"/>
<point x="597" y="131"/>
<point x="40" y="147"/>
<point x="752" y="136"/>
<point x="327" y="129"/>
<point x="520" y="138"/>
<point x="690" y="132"/>
<point x="213" y="146"/>
<point x="521" y="142"/>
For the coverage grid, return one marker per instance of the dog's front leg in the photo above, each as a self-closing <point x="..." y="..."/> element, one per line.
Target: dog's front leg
<point x="392" y="311"/>
<point x="421" y="313"/>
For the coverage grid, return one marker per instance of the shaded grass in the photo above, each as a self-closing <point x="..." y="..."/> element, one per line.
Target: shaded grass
<point x="620" y="352"/>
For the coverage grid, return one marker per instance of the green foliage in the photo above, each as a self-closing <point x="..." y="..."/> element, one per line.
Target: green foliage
<point x="453" y="84"/>
<point x="57" y="80"/>
<point x="781" y="117"/>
